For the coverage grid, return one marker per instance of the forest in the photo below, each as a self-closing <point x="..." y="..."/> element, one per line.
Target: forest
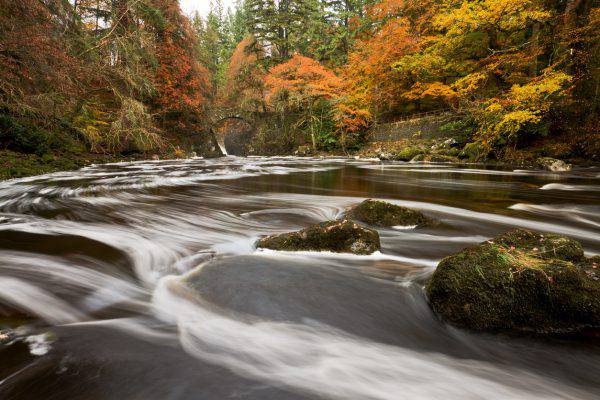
<point x="83" y="79"/>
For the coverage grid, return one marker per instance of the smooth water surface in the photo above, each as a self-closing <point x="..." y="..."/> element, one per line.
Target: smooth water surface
<point x="147" y="277"/>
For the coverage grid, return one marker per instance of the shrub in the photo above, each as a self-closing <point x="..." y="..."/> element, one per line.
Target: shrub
<point x="26" y="139"/>
<point x="134" y="129"/>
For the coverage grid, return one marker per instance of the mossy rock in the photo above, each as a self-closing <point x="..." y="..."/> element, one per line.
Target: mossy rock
<point x="441" y="158"/>
<point x="381" y="213"/>
<point x="342" y="236"/>
<point x="418" y="158"/>
<point x="474" y="151"/>
<point x="522" y="281"/>
<point x="408" y="153"/>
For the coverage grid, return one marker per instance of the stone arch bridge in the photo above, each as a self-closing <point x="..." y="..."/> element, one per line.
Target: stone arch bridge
<point x="233" y="140"/>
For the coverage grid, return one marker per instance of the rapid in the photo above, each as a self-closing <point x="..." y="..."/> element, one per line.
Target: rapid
<point x="141" y="280"/>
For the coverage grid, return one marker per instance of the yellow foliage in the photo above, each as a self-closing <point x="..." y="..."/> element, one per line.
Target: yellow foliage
<point x="502" y="15"/>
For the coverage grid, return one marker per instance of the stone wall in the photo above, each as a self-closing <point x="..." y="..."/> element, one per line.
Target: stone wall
<point x="426" y="127"/>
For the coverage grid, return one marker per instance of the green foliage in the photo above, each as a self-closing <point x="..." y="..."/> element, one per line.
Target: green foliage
<point x="133" y="130"/>
<point x="461" y="130"/>
<point x="324" y="126"/>
<point x="27" y="139"/>
<point x="474" y="151"/>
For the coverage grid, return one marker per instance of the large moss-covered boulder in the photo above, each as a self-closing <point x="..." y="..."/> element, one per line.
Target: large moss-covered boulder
<point x="522" y="281"/>
<point x="342" y="236"/>
<point x="381" y="213"/>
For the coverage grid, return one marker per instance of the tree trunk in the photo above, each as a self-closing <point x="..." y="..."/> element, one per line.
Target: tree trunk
<point x="312" y="128"/>
<point x="535" y="41"/>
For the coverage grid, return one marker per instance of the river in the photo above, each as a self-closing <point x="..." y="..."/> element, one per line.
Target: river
<point x="145" y="283"/>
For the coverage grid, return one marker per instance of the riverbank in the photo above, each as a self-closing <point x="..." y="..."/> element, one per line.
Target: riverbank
<point x="19" y="165"/>
<point x="580" y="153"/>
<point x="440" y="150"/>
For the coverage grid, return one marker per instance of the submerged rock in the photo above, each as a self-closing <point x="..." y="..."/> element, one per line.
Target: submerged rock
<point x="554" y="165"/>
<point x="381" y="213"/>
<point x="522" y="281"/>
<point x="341" y="236"/>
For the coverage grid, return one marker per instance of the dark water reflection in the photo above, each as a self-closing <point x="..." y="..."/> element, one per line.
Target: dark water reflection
<point x="107" y="260"/>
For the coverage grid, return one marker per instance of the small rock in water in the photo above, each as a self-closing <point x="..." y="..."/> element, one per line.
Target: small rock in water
<point x="342" y="236"/>
<point x="522" y="281"/>
<point x="553" y="165"/>
<point x="303" y="151"/>
<point x="6" y="336"/>
<point x="383" y="156"/>
<point x="381" y="213"/>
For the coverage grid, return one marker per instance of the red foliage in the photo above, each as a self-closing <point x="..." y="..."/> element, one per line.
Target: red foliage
<point x="33" y="59"/>
<point x="182" y="83"/>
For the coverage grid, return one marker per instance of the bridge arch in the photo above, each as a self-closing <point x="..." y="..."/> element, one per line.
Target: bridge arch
<point x="233" y="134"/>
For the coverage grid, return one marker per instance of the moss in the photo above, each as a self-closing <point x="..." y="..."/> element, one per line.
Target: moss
<point x="418" y="158"/>
<point x="440" y="158"/>
<point x="473" y="151"/>
<point x="381" y="213"/>
<point x="19" y="165"/>
<point x="342" y="236"/>
<point x="408" y="153"/>
<point x="521" y="281"/>
<point x="543" y="246"/>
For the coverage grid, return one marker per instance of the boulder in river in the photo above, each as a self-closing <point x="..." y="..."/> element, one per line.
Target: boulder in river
<point x="553" y="165"/>
<point x="381" y="213"/>
<point x="342" y="236"/>
<point x="521" y="281"/>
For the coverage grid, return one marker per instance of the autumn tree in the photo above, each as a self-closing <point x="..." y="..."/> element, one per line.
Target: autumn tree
<point x="300" y="84"/>
<point x="373" y="87"/>
<point x="182" y="83"/>
<point x="244" y="87"/>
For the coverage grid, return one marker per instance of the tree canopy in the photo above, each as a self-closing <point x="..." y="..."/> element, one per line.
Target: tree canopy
<point x="106" y="68"/>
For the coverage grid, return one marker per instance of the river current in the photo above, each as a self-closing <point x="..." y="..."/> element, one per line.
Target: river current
<point x="144" y="282"/>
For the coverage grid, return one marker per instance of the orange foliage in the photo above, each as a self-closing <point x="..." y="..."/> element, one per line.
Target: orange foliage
<point x="300" y="81"/>
<point x="371" y="79"/>
<point x="182" y="83"/>
<point x="244" y="79"/>
<point x="432" y="90"/>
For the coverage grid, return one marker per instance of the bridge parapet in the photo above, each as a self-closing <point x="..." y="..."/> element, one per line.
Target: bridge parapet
<point x="218" y="114"/>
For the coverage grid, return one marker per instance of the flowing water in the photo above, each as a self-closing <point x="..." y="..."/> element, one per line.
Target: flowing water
<point x="145" y="283"/>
